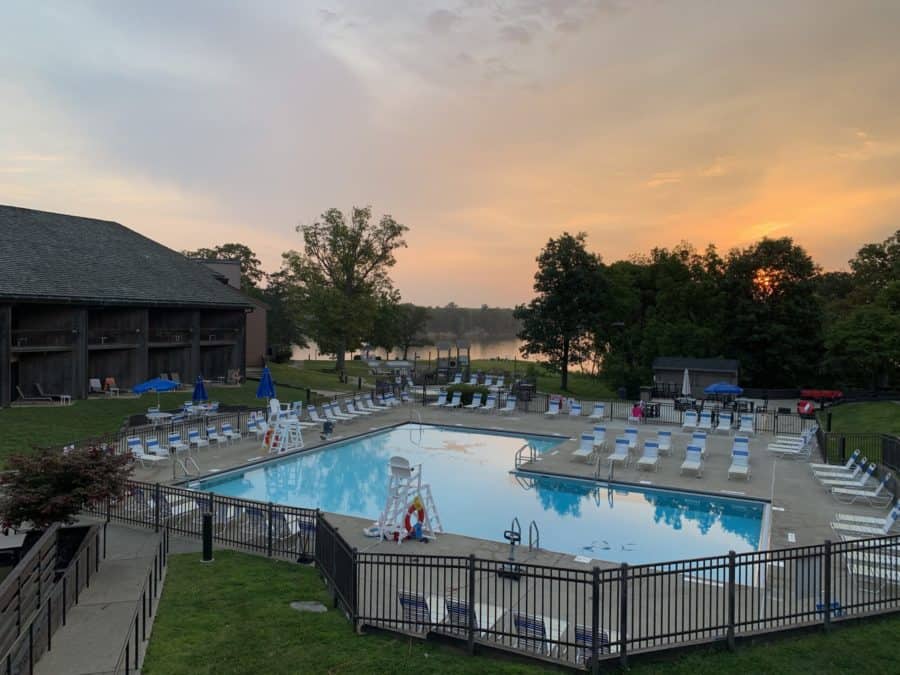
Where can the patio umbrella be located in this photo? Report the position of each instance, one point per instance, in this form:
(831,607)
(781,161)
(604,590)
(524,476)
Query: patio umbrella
(686,384)
(266,388)
(724,388)
(200,390)
(157,384)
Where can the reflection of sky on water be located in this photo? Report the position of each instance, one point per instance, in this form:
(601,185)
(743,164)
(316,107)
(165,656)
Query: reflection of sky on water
(477,496)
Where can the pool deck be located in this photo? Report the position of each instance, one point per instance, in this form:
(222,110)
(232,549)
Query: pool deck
(801,513)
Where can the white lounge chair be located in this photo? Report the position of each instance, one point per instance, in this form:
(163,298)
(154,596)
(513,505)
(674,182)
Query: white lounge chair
(353,409)
(690,420)
(490,404)
(230,433)
(176,444)
(441,401)
(880,495)
(331,416)
(882,575)
(455,400)
(366,403)
(650,458)
(599,411)
(693,461)
(421,614)
(552,409)
(153,448)
(473,380)
(854,483)
(705,420)
(575,409)
(725,421)
(538,634)
(664,440)
(314,414)
(213,436)
(584,643)
(457,379)
(140,455)
(621,453)
(196,440)
(833,467)
(599,437)
(698,439)
(585,449)
(482,616)
(874,526)
(740,463)
(632,435)
(746,426)
(843,474)
(862,520)
(488,381)
(509,406)
(340,414)
(476,401)
(347,409)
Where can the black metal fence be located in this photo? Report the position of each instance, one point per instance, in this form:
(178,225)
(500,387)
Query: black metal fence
(35,604)
(883,449)
(130,656)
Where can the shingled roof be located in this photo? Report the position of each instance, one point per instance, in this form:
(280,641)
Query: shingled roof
(709,365)
(47,257)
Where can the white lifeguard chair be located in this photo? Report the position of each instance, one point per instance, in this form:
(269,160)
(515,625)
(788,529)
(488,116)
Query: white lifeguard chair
(409,503)
(283,435)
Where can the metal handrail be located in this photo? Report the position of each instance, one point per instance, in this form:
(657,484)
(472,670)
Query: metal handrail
(534,536)
(519,457)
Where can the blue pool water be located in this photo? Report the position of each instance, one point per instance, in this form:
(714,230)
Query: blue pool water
(477,495)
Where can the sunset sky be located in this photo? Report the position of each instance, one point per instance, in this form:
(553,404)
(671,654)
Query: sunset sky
(486,127)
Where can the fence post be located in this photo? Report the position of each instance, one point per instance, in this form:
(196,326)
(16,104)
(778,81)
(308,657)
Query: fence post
(842,447)
(731,599)
(108,498)
(354,589)
(470,618)
(156,508)
(269,533)
(775,422)
(828,422)
(623,615)
(595,621)
(826,591)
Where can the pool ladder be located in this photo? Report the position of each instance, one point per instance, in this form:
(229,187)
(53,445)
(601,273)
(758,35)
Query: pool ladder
(525,455)
(534,537)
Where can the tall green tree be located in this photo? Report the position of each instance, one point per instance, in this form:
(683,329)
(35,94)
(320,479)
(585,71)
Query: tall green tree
(569,288)
(411,323)
(344,271)
(252,275)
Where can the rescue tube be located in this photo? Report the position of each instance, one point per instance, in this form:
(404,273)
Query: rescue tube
(419,509)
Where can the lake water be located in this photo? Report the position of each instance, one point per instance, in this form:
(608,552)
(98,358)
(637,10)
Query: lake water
(481,349)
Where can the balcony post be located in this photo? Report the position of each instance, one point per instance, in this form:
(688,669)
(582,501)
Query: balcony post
(5,355)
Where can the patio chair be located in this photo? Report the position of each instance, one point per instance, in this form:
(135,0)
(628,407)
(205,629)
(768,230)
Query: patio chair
(366,403)
(223,512)
(441,401)
(693,461)
(140,455)
(552,409)
(880,495)
(473,380)
(405,397)
(488,381)
(584,643)
(854,483)
(177,445)
(455,400)
(212,436)
(353,409)
(314,414)
(650,458)
(483,617)
(843,474)
(876,527)
(457,379)
(153,448)
(632,435)
(500,383)
(705,422)
(863,520)
(599,437)
(725,421)
(24,397)
(575,409)
(664,440)
(328,411)
(94,386)
(175,508)
(195,439)
(585,449)
(420,614)
(490,404)
(690,420)
(621,453)
(538,634)
(230,433)
(834,467)
(509,406)
(740,463)
(599,411)
(476,401)
(43,394)
(746,426)
(336,406)
(698,439)
(881,575)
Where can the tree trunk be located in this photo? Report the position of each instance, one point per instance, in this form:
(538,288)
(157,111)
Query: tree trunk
(340,357)
(564,384)
(405,351)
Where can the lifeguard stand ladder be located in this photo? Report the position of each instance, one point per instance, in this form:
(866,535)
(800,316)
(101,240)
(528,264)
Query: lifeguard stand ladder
(408,496)
(283,435)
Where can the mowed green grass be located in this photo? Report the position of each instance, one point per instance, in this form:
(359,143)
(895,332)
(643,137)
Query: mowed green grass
(319,375)
(28,426)
(581,385)
(883,416)
(233,616)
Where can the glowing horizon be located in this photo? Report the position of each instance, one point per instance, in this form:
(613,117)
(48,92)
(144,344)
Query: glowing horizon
(487,128)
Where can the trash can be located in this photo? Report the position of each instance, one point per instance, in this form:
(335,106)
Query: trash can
(646,394)
(525,392)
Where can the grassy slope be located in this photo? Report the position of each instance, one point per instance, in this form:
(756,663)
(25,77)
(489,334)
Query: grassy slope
(883,416)
(318,375)
(580,385)
(233,617)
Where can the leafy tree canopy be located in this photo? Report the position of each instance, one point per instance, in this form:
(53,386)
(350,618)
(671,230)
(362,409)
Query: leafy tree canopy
(252,274)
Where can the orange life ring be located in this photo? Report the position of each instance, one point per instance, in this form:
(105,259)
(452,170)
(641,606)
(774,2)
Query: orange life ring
(419,509)
(268,438)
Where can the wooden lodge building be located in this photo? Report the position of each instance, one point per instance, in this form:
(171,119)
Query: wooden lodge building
(84,299)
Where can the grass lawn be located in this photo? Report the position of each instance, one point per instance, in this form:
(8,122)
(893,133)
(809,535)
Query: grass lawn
(27,426)
(319,375)
(233,617)
(580,384)
(883,416)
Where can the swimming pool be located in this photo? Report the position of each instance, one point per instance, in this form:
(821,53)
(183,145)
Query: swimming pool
(477,495)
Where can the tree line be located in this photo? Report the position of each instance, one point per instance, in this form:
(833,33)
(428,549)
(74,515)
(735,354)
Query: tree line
(769,305)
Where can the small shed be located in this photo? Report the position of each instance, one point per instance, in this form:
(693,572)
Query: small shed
(668,373)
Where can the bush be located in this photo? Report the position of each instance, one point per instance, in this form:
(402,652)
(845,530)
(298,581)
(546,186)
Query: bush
(467,391)
(53,487)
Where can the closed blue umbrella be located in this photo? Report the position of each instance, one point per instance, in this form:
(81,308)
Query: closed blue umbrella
(200,390)
(724,388)
(266,388)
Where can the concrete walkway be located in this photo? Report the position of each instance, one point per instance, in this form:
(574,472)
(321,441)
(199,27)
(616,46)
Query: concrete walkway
(97,627)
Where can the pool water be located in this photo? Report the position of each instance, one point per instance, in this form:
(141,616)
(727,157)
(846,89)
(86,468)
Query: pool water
(477,495)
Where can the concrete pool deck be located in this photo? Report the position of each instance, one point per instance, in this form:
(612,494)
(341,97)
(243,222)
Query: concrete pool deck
(801,514)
